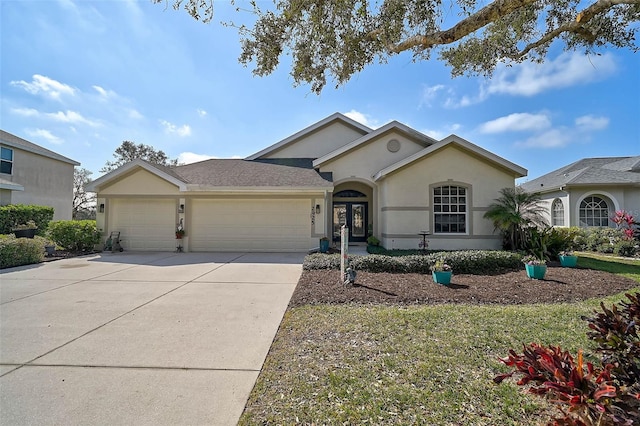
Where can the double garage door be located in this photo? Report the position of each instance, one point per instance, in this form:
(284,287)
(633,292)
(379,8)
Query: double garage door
(250,225)
(214,225)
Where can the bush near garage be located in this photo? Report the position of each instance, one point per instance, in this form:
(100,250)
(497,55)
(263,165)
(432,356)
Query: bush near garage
(74,235)
(604,240)
(18,214)
(477,262)
(20,251)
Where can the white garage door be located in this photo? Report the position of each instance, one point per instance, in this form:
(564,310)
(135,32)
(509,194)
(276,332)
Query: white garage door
(250,225)
(144,224)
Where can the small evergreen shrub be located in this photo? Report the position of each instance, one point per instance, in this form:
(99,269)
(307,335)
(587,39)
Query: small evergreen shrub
(20,251)
(625,248)
(74,235)
(18,214)
(478,262)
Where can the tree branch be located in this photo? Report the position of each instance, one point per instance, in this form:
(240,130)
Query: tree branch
(576,26)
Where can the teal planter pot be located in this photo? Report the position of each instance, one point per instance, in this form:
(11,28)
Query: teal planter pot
(324,246)
(536,271)
(569,261)
(442,277)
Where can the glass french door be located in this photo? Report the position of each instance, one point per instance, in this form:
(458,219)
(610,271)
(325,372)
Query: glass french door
(354,215)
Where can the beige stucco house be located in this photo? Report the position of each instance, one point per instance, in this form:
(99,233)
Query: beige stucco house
(589,191)
(392,181)
(31,174)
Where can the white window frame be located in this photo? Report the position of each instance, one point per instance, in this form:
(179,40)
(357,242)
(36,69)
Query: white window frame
(587,202)
(438,203)
(557,212)
(10,161)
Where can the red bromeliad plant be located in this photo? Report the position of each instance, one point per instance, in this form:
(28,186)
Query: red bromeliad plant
(625,222)
(588,395)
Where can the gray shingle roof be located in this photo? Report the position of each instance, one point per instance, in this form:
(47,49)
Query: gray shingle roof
(14,141)
(252,173)
(590,171)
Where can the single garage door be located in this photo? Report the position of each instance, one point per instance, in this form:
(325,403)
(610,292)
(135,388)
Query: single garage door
(144,224)
(250,225)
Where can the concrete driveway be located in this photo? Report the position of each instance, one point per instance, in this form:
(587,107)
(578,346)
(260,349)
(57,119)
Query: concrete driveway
(139,338)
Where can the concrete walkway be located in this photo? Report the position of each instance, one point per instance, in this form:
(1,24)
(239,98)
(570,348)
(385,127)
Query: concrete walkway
(144,339)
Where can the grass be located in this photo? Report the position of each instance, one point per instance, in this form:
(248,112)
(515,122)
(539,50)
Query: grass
(351,364)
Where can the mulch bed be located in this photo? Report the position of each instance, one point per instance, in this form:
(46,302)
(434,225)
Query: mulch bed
(514,288)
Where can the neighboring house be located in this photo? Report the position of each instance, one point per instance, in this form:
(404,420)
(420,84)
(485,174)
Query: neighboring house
(31,174)
(588,192)
(393,182)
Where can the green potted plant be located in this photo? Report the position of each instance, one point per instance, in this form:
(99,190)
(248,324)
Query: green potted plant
(179,232)
(25,230)
(324,245)
(536,268)
(373,241)
(441,272)
(568,259)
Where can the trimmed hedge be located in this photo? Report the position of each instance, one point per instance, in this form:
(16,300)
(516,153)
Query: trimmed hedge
(20,251)
(74,235)
(18,214)
(478,262)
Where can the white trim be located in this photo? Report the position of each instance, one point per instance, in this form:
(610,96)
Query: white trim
(5,184)
(452,139)
(195,189)
(334,117)
(394,125)
(95,185)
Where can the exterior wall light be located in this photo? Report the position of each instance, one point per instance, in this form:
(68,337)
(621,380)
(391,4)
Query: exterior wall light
(181,208)
(101,208)
(317,208)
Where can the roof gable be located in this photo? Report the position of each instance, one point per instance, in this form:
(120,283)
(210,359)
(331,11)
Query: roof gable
(351,130)
(410,133)
(14,141)
(113,176)
(454,140)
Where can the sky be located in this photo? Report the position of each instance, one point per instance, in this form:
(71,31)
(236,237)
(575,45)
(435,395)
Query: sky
(79,77)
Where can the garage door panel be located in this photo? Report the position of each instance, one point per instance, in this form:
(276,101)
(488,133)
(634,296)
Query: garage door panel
(253,225)
(144,224)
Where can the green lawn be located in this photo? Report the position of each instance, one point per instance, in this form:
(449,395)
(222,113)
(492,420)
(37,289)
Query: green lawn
(431,365)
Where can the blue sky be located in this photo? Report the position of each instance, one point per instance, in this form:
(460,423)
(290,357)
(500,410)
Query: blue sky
(80,77)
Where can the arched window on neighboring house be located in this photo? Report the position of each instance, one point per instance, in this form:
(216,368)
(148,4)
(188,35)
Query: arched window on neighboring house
(557,212)
(594,211)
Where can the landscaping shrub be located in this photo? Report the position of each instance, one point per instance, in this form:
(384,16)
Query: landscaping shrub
(586,395)
(20,251)
(18,214)
(625,248)
(479,262)
(74,235)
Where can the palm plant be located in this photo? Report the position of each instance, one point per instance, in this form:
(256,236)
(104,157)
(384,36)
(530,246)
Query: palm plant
(513,213)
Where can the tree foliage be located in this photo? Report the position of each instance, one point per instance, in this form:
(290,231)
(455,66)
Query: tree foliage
(339,38)
(83,202)
(129,151)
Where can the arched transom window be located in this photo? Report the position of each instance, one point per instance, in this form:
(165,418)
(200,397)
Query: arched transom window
(594,211)
(450,209)
(557,213)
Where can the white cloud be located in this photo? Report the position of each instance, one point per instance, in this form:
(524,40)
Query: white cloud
(71,117)
(435,134)
(26,112)
(568,69)
(44,134)
(589,122)
(362,118)
(517,122)
(172,129)
(46,86)
(104,93)
(553,138)
(201,112)
(430,93)
(135,114)
(191,157)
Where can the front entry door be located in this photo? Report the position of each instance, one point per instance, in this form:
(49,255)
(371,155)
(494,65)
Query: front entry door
(354,215)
